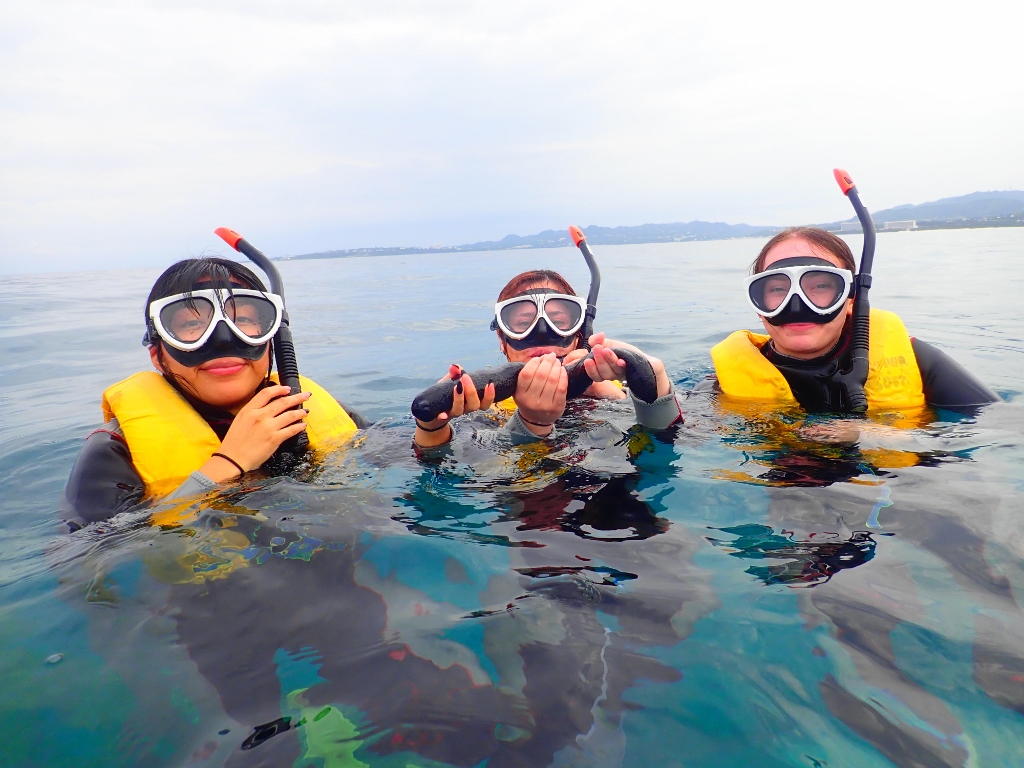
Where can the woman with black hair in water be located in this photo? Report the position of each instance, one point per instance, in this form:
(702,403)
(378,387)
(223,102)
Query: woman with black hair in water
(211,410)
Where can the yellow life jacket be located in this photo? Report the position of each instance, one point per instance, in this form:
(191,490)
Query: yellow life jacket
(169,440)
(894,380)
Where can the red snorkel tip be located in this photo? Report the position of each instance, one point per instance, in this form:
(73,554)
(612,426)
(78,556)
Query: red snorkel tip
(844,180)
(577,235)
(229,236)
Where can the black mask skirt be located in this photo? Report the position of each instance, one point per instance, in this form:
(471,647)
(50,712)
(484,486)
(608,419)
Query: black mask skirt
(540,336)
(798,311)
(222,343)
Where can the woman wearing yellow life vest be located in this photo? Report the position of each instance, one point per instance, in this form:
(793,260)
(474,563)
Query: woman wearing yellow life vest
(211,410)
(540,321)
(801,287)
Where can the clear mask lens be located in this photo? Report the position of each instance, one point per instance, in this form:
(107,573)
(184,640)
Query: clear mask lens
(254,316)
(188,319)
(770,291)
(823,289)
(519,316)
(563,315)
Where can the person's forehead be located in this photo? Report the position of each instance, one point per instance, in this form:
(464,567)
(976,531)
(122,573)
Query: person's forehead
(544,286)
(798,246)
(208,280)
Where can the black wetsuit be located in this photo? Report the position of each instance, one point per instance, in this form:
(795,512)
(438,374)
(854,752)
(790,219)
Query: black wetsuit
(947,384)
(104,481)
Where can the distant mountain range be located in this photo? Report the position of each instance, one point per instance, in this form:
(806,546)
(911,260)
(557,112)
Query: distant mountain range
(978,209)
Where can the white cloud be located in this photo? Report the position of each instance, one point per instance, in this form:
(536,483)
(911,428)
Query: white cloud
(129,130)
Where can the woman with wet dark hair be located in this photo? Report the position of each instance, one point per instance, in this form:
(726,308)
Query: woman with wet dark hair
(539,321)
(802,288)
(211,411)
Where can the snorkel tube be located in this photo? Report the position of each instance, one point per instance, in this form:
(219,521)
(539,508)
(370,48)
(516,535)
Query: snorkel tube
(580,240)
(284,348)
(857,375)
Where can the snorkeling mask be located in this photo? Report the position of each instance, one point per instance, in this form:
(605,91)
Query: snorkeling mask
(210,323)
(539,318)
(801,289)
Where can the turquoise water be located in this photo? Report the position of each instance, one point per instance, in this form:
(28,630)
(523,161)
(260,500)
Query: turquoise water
(732,593)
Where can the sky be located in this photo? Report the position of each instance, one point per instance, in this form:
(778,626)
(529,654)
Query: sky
(130,130)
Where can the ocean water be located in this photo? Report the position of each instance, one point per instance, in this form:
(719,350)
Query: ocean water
(747,589)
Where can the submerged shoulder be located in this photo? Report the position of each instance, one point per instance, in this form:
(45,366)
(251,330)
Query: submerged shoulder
(103,480)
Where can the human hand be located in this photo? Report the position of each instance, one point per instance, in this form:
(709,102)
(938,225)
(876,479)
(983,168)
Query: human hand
(540,393)
(576,354)
(607,366)
(259,428)
(838,431)
(465,399)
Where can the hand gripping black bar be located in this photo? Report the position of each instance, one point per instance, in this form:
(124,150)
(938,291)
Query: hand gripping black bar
(435,400)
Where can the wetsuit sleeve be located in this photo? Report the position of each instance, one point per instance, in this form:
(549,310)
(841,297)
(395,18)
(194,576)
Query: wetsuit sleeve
(103,481)
(360,421)
(520,434)
(708,384)
(195,484)
(947,384)
(661,414)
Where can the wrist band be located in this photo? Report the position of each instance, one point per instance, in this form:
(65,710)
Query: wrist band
(534,423)
(230,461)
(432,429)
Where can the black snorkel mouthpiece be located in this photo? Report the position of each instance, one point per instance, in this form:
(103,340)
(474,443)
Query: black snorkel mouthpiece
(284,348)
(580,240)
(856,376)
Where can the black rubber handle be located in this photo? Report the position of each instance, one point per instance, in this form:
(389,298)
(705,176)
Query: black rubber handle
(640,376)
(438,399)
